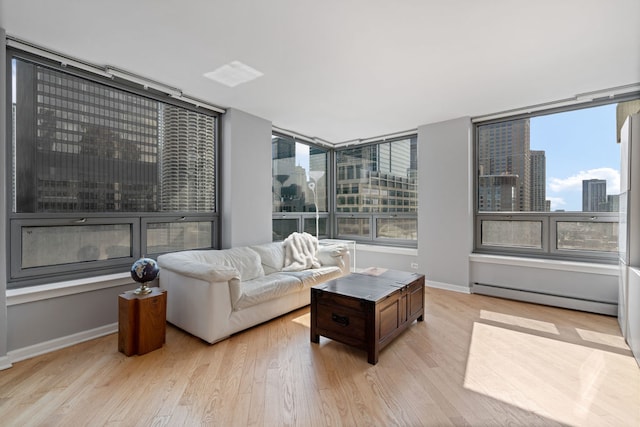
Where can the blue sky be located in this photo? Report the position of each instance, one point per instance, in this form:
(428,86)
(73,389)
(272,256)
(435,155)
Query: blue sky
(579,144)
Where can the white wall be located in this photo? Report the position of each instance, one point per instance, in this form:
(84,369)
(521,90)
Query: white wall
(387,257)
(246,179)
(445,214)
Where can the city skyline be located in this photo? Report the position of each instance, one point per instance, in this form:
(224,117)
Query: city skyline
(541,163)
(580,145)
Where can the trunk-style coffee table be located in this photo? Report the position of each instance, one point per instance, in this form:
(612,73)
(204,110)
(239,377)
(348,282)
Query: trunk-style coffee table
(367,310)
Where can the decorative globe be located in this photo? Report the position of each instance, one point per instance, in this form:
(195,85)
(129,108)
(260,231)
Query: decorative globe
(144,270)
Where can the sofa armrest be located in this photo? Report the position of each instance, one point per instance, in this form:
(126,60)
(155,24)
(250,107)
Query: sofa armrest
(337,255)
(198,306)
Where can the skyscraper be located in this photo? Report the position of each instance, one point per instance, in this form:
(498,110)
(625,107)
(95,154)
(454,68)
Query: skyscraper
(504,150)
(87,158)
(497,192)
(187,176)
(538,181)
(594,195)
(377,178)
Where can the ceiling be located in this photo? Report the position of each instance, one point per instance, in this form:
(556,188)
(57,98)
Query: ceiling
(342,70)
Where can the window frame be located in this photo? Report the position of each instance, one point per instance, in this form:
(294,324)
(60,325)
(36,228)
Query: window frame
(300,217)
(18,277)
(19,274)
(549,220)
(372,217)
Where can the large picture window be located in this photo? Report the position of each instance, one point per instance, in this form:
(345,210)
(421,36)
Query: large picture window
(548,184)
(102,174)
(377,192)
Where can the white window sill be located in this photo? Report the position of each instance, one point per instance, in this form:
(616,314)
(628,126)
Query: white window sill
(549,264)
(70,287)
(387,249)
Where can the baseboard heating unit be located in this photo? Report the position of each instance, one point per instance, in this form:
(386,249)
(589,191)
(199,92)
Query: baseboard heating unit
(599,307)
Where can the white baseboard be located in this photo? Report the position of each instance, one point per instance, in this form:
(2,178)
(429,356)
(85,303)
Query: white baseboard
(448,286)
(5,363)
(58,343)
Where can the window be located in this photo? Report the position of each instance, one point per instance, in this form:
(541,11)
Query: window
(548,185)
(102,173)
(299,187)
(377,189)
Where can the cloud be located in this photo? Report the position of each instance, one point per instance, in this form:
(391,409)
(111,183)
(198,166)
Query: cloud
(574,183)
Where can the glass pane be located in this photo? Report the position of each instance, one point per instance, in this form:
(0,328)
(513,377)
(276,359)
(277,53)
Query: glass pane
(587,236)
(353,227)
(82,146)
(378,177)
(310,226)
(504,166)
(521,234)
(397,228)
(299,176)
(43,246)
(567,161)
(283,227)
(177,236)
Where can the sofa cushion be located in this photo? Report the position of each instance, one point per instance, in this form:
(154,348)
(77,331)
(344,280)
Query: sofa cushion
(204,262)
(316,275)
(252,292)
(271,256)
(245,260)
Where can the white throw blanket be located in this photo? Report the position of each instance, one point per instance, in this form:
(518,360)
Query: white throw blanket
(300,252)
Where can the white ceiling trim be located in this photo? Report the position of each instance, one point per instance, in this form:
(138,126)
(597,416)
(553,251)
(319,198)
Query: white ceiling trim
(582,98)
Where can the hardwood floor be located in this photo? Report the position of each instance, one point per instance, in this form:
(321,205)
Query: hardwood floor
(475,360)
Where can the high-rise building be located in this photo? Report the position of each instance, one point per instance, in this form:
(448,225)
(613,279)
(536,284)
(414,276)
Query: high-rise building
(283,154)
(538,181)
(317,169)
(613,202)
(594,195)
(504,150)
(87,158)
(377,178)
(497,193)
(187,178)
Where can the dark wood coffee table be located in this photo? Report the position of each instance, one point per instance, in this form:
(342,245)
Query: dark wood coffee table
(367,310)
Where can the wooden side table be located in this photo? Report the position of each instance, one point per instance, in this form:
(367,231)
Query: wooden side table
(142,321)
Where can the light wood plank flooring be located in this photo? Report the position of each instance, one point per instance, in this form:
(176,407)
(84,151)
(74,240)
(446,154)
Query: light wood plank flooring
(476,360)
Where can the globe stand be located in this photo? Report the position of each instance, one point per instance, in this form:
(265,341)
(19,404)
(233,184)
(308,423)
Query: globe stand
(143,289)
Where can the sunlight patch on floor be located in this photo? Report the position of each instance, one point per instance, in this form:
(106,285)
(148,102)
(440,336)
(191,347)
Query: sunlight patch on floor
(304,320)
(600,338)
(523,322)
(565,382)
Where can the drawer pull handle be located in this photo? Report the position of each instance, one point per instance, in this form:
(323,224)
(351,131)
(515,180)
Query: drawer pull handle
(340,320)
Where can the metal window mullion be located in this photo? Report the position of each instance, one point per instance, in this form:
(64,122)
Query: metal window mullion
(548,234)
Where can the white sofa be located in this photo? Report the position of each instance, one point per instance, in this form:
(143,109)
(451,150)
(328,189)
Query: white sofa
(215,293)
